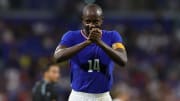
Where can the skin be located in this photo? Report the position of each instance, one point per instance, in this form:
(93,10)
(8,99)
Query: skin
(91,21)
(52,75)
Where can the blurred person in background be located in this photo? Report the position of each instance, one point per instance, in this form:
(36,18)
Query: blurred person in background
(45,90)
(92,53)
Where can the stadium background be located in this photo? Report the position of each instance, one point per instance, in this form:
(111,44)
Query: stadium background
(30,30)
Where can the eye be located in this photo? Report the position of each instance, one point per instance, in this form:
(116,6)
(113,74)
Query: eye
(96,21)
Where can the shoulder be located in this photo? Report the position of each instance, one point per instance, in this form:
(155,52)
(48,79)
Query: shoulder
(70,32)
(111,33)
(38,83)
(37,86)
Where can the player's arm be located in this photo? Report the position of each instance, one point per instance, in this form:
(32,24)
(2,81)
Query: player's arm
(63,52)
(67,48)
(118,54)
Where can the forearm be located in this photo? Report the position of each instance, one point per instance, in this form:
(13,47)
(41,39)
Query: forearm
(66,53)
(117,56)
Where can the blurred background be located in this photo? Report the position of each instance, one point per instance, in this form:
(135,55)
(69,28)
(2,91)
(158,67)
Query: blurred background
(30,30)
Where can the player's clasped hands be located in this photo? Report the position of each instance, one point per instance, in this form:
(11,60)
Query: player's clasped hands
(95,35)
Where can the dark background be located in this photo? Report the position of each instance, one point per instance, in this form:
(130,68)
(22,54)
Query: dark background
(30,30)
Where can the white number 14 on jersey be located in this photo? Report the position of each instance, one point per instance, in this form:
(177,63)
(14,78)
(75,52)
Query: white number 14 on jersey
(94,65)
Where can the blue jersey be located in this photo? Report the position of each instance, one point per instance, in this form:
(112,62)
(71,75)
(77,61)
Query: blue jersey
(91,68)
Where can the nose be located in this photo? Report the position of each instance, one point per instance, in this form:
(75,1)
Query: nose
(91,25)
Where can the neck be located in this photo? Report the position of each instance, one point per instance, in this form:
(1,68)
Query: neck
(85,32)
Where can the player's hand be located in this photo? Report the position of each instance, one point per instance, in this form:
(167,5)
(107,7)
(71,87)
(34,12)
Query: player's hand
(95,35)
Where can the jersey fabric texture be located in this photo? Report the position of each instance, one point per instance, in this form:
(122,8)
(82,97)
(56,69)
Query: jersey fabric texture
(91,68)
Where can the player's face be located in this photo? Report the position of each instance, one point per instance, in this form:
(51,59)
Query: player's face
(54,73)
(91,21)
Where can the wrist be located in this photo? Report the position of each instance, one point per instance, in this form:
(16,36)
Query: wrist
(99,42)
(88,42)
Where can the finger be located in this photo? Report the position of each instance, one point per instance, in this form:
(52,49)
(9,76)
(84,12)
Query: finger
(94,38)
(95,35)
(95,29)
(97,32)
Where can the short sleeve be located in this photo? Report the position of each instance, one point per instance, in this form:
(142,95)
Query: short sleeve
(116,37)
(67,39)
(117,42)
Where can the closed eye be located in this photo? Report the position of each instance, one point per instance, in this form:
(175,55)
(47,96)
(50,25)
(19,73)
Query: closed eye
(96,21)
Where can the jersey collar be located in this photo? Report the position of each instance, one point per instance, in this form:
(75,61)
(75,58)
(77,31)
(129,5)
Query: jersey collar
(83,34)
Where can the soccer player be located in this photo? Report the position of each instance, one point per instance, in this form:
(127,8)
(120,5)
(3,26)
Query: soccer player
(45,90)
(92,52)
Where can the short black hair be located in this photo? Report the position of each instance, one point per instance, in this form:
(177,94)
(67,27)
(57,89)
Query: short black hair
(48,66)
